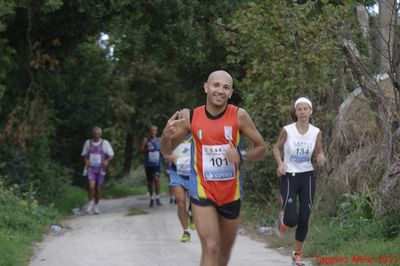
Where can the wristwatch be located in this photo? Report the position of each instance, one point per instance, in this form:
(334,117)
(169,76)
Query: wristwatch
(243,155)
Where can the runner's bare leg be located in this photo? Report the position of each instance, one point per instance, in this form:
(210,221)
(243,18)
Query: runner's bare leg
(180,195)
(227,231)
(207,226)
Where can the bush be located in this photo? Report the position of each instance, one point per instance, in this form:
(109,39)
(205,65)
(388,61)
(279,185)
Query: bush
(22,222)
(72,197)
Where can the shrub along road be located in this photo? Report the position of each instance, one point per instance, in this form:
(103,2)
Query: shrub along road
(116,238)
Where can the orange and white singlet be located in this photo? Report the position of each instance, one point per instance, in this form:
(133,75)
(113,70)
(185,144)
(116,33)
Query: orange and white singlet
(213,177)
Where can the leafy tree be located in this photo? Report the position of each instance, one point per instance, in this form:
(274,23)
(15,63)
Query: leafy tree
(163,52)
(52,75)
(282,51)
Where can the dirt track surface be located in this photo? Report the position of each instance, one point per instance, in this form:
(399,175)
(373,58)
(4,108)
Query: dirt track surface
(115,239)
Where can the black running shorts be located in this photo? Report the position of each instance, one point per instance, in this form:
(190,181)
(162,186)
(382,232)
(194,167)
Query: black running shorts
(229,211)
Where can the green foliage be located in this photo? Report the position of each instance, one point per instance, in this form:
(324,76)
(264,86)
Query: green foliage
(131,185)
(134,212)
(257,215)
(163,52)
(115,191)
(51,5)
(17,168)
(52,58)
(259,185)
(6,63)
(80,99)
(22,222)
(355,206)
(72,197)
(287,51)
(351,238)
(281,50)
(7,10)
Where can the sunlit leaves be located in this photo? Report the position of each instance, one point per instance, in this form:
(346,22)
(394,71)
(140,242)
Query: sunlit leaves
(286,50)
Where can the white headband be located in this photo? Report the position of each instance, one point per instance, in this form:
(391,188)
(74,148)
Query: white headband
(302,100)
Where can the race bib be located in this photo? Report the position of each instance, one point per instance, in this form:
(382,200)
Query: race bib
(183,166)
(154,157)
(95,159)
(216,166)
(301,152)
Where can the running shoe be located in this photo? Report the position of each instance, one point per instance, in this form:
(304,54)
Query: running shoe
(186,236)
(89,209)
(151,203)
(158,202)
(297,260)
(191,223)
(281,229)
(96,209)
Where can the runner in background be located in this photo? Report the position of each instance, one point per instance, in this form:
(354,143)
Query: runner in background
(179,181)
(172,199)
(97,154)
(299,140)
(152,161)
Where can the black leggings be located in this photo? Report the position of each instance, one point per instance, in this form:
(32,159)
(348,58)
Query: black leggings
(303,185)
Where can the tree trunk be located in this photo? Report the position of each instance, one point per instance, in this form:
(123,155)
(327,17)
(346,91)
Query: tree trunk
(128,153)
(379,101)
(363,21)
(389,189)
(386,33)
(389,186)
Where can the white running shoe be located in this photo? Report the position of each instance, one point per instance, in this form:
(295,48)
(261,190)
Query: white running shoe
(297,259)
(96,209)
(89,209)
(280,228)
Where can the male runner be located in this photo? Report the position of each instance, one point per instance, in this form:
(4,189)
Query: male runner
(214,182)
(97,154)
(151,148)
(179,181)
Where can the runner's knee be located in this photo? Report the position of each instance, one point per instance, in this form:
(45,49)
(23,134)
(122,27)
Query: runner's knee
(181,203)
(211,247)
(290,220)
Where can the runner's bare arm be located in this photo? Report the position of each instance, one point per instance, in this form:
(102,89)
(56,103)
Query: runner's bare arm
(86,160)
(107,161)
(277,152)
(86,155)
(249,130)
(143,147)
(175,131)
(170,158)
(319,151)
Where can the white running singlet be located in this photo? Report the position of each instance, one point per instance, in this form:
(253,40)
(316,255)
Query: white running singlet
(298,149)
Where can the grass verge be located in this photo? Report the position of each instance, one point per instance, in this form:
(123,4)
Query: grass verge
(353,239)
(23,222)
(131,185)
(133,212)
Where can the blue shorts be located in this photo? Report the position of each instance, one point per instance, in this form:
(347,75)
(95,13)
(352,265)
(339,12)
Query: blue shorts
(178,180)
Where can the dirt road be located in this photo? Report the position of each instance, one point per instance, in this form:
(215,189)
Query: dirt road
(113,238)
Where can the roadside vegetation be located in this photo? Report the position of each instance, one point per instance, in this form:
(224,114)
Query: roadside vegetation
(23,222)
(353,232)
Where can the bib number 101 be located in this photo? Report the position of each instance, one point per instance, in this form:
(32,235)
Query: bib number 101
(218,162)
